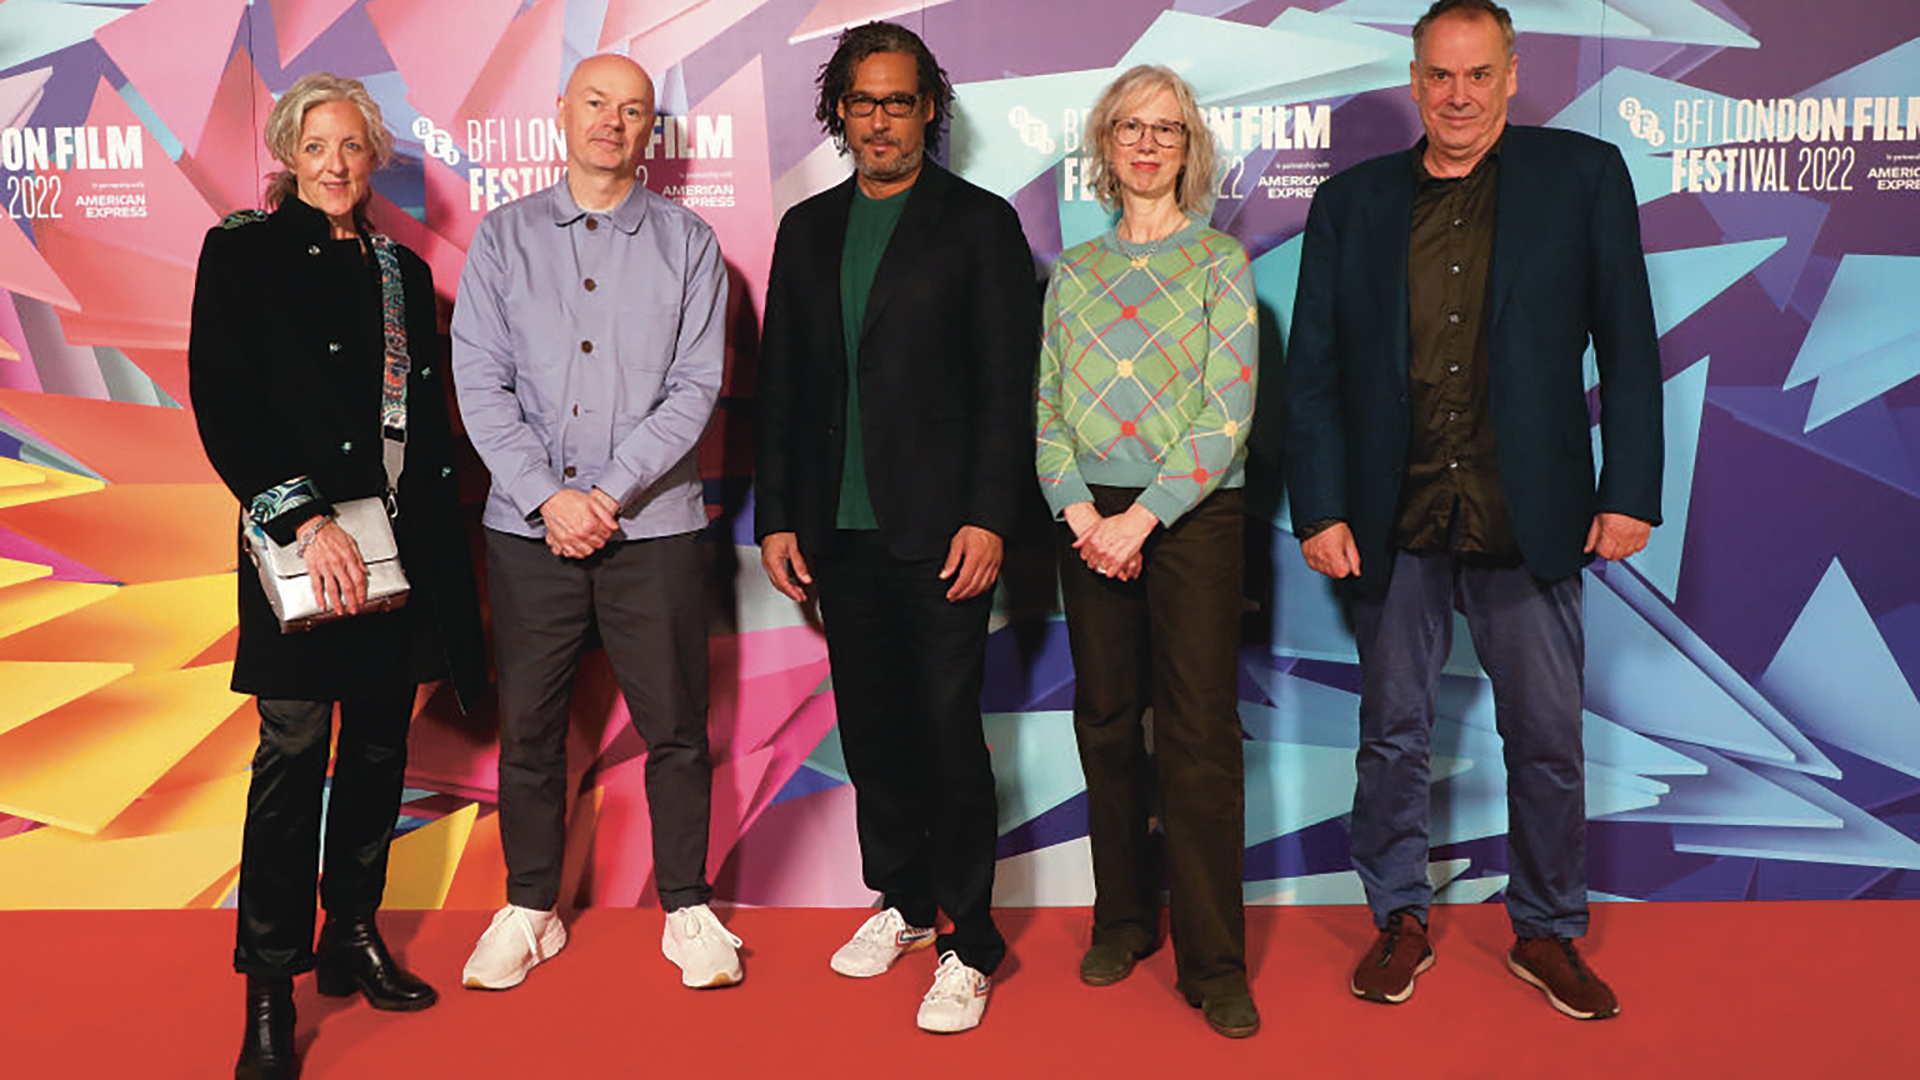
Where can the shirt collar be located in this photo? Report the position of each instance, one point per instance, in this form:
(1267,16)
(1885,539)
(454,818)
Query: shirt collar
(1417,160)
(626,217)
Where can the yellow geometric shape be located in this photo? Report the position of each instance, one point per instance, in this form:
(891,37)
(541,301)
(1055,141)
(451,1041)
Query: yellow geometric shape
(227,751)
(155,627)
(34,688)
(216,804)
(35,602)
(15,572)
(420,864)
(21,483)
(79,766)
(8,352)
(54,868)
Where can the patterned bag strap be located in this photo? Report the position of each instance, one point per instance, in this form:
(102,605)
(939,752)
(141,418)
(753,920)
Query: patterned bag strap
(393,387)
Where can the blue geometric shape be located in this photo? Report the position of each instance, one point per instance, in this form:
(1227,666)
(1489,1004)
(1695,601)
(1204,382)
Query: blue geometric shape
(1800,217)
(1276,278)
(1233,62)
(1389,70)
(828,758)
(1634,592)
(1730,795)
(1004,131)
(1577,18)
(1081,218)
(1472,803)
(1861,840)
(806,781)
(1836,677)
(1868,440)
(1888,75)
(1637,678)
(1029,667)
(1684,281)
(1303,713)
(1865,337)
(1291,786)
(156,127)
(1630,109)
(1603,741)
(1682,403)
(1307,617)
(34,28)
(1683,22)
(1036,763)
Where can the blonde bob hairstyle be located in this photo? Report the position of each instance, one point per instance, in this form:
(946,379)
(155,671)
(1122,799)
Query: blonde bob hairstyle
(1194,189)
(282,133)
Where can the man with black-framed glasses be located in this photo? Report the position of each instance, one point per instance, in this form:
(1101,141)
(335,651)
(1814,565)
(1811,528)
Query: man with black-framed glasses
(893,450)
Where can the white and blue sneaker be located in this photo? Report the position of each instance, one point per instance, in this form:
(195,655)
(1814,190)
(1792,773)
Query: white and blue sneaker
(958,997)
(880,941)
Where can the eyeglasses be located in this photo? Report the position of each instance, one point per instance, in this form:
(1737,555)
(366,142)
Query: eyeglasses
(1166,133)
(896,105)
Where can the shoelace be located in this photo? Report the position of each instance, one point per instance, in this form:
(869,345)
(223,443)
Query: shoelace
(525,922)
(1393,939)
(694,924)
(1573,958)
(879,930)
(952,982)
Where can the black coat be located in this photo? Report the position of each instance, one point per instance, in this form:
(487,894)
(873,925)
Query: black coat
(286,360)
(1567,269)
(946,371)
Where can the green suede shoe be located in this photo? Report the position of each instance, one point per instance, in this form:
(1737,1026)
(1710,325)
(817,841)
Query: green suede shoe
(1106,964)
(1231,1014)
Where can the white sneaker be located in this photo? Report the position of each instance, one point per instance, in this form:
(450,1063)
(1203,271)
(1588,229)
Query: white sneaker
(880,941)
(694,939)
(516,940)
(958,997)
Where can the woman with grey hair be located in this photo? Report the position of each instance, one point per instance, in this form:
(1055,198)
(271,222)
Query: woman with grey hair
(314,354)
(1145,395)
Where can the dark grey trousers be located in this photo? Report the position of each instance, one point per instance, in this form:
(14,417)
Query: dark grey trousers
(647,598)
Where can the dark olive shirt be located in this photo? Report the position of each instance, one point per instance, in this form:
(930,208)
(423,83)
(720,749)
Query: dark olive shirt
(870,225)
(1451,497)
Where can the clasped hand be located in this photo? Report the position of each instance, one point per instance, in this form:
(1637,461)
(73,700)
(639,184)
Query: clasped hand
(579,523)
(1111,546)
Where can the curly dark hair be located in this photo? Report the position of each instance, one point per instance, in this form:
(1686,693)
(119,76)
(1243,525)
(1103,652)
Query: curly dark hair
(856,44)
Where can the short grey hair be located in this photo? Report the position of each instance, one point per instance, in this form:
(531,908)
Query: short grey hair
(1469,8)
(1194,189)
(282,132)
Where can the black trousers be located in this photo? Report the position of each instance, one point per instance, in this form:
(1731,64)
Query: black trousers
(280,846)
(1169,639)
(648,599)
(907,670)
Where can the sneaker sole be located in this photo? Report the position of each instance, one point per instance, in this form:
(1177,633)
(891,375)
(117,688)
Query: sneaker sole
(913,948)
(719,980)
(1535,981)
(1394,999)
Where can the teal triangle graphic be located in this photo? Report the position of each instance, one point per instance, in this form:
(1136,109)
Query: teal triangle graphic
(1682,405)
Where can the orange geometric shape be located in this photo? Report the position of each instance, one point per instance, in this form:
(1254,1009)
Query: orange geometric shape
(166,367)
(421,864)
(206,805)
(480,880)
(296,23)
(440,57)
(156,627)
(126,298)
(226,752)
(36,687)
(184,530)
(124,443)
(15,572)
(173,51)
(522,75)
(81,765)
(23,270)
(671,40)
(22,483)
(37,602)
(54,868)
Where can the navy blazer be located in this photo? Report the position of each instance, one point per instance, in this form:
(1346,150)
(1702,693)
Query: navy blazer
(946,364)
(1567,266)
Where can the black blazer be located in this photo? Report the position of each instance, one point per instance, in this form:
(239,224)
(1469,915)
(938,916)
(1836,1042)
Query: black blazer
(1567,266)
(946,371)
(286,357)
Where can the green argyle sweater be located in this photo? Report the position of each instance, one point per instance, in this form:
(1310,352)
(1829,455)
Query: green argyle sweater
(1147,370)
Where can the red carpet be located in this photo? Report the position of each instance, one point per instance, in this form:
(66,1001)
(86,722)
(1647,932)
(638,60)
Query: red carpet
(1707,990)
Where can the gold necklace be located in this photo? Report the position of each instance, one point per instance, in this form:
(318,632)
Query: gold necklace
(1139,260)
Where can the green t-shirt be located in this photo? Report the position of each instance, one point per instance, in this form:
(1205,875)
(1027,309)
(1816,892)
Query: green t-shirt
(869,226)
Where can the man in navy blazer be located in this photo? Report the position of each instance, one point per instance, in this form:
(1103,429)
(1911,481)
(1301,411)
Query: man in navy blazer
(894,448)
(1438,452)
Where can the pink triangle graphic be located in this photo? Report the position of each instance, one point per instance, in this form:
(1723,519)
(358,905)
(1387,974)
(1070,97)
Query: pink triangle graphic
(22,270)
(174,52)
(440,54)
(296,23)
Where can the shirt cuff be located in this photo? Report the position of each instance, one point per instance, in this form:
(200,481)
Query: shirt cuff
(1068,490)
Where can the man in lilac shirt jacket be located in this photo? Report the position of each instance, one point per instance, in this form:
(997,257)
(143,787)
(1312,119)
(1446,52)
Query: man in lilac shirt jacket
(588,345)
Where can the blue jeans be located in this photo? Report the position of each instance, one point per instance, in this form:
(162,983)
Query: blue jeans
(1531,642)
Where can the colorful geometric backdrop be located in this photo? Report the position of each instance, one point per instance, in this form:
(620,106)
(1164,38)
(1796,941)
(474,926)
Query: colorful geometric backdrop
(1753,728)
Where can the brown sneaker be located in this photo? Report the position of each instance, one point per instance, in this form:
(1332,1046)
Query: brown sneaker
(1554,965)
(1400,952)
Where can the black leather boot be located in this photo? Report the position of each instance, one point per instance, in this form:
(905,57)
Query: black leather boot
(352,957)
(266,1051)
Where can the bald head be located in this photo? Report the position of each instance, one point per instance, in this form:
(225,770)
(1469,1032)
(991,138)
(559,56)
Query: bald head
(606,114)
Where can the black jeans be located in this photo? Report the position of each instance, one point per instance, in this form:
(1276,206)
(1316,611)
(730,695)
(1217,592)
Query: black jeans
(648,599)
(280,848)
(1169,639)
(907,670)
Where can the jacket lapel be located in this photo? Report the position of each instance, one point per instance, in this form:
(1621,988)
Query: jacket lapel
(926,201)
(1392,230)
(1517,219)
